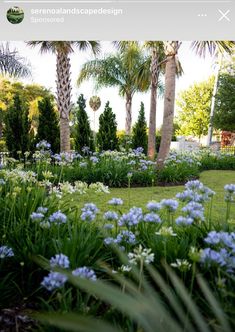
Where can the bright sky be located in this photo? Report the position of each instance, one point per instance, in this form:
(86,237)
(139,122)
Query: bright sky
(44,73)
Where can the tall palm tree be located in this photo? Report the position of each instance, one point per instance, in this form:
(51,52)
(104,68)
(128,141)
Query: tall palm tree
(12,64)
(157,59)
(171,51)
(119,70)
(62,50)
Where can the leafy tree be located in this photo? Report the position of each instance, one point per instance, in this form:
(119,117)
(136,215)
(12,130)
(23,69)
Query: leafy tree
(171,51)
(62,50)
(48,128)
(194,109)
(107,134)
(224,117)
(31,94)
(17,127)
(83,133)
(139,132)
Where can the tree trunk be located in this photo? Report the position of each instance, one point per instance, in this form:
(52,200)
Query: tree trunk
(64,98)
(128,114)
(171,49)
(153,106)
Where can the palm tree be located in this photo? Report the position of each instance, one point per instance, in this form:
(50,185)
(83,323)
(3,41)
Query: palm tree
(119,70)
(157,59)
(62,50)
(12,64)
(171,51)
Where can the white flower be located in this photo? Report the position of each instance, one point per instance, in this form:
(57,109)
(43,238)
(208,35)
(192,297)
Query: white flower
(141,254)
(166,231)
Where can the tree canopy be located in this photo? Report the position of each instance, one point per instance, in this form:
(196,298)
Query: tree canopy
(194,106)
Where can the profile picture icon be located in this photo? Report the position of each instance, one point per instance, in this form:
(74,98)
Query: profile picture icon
(15,15)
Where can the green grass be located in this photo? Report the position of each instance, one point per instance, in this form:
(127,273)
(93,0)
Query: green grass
(216,180)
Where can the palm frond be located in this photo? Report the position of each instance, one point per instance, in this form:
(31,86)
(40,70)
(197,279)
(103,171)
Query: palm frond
(12,64)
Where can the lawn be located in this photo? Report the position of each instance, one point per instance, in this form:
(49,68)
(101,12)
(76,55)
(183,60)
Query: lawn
(215,180)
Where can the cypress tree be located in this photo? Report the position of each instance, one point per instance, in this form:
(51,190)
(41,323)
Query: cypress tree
(83,133)
(139,132)
(107,134)
(17,127)
(48,126)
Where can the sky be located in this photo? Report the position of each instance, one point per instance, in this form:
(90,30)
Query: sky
(44,72)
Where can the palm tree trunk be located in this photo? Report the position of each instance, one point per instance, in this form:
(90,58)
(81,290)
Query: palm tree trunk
(153,106)
(169,102)
(64,98)
(128,114)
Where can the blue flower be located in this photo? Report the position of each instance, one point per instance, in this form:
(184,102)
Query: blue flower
(2,182)
(170,204)
(194,185)
(184,221)
(6,252)
(153,206)
(152,217)
(85,272)
(110,215)
(41,209)
(60,260)
(43,145)
(194,210)
(109,240)
(210,256)
(90,207)
(230,188)
(36,216)
(126,237)
(58,218)
(94,160)
(54,280)
(88,216)
(116,201)
(131,218)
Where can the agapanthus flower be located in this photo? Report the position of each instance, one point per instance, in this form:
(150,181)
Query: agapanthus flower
(194,210)
(94,159)
(116,201)
(90,207)
(166,231)
(85,272)
(210,256)
(126,237)
(182,264)
(152,217)
(170,204)
(111,215)
(88,216)
(58,218)
(185,221)
(60,260)
(6,252)
(194,185)
(141,254)
(54,280)
(35,216)
(132,218)
(42,210)
(153,206)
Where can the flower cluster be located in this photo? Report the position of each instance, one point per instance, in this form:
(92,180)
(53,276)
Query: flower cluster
(56,280)
(222,252)
(230,192)
(124,237)
(139,255)
(6,252)
(89,212)
(132,218)
(195,192)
